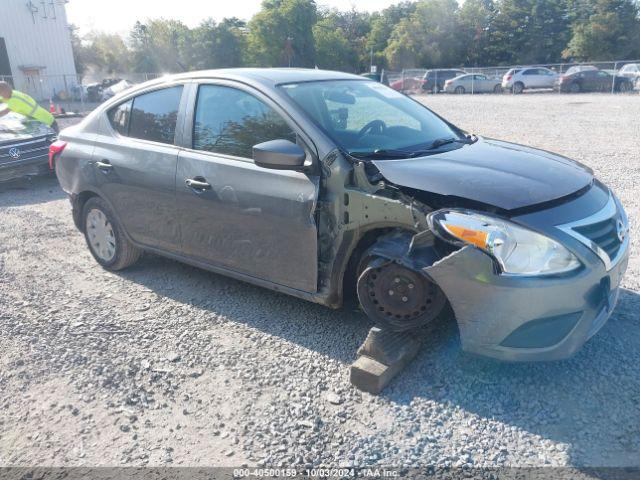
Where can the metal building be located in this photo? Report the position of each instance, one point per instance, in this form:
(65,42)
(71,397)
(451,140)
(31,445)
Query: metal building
(35,47)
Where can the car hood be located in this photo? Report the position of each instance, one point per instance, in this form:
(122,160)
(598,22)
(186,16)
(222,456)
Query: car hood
(14,127)
(492,172)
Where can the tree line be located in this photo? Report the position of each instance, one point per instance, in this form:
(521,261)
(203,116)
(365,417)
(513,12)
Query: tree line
(410,34)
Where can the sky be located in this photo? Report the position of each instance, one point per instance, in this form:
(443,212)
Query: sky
(118,16)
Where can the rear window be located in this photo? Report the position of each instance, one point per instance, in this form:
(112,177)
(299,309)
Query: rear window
(119,117)
(154,115)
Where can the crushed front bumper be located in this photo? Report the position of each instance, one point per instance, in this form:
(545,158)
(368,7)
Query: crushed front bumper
(525,319)
(520,318)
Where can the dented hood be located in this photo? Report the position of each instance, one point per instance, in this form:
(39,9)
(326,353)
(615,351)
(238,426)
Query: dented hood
(505,175)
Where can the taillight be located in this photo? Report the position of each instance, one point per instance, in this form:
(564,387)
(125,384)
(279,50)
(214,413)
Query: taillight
(55,148)
(448,82)
(509,77)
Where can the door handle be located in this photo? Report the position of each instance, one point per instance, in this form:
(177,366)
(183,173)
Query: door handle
(198,184)
(104,165)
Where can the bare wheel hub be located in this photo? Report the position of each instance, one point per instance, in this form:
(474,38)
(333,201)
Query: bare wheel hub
(398,297)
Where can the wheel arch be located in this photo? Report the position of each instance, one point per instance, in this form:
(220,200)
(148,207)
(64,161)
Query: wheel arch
(80,199)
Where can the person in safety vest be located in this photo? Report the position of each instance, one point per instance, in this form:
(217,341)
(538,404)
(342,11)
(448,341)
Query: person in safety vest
(23,104)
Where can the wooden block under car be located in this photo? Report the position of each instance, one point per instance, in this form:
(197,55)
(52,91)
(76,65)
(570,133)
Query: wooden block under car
(381,357)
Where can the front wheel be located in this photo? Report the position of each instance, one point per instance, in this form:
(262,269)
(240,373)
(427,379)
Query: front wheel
(497,89)
(624,87)
(574,88)
(105,237)
(395,297)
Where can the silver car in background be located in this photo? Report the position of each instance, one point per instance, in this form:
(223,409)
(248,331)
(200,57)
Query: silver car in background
(472,83)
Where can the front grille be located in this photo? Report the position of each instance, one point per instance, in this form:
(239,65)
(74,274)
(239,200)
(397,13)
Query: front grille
(26,149)
(604,234)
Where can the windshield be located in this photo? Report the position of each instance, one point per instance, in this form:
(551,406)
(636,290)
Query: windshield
(363,116)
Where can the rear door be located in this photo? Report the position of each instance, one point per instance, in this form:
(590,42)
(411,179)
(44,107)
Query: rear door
(242,217)
(531,78)
(135,161)
(547,78)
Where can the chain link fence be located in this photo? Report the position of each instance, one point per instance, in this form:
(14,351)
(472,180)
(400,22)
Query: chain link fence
(622,76)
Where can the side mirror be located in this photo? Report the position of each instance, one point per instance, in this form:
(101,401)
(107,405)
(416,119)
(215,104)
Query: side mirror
(279,155)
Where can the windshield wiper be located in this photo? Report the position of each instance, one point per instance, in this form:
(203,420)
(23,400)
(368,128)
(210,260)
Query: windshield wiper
(439,142)
(382,153)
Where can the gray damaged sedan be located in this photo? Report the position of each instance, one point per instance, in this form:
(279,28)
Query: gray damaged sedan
(320,184)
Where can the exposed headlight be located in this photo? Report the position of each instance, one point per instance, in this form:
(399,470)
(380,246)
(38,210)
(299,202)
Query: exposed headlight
(518,250)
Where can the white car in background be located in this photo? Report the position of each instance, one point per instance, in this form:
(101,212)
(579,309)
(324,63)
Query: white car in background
(632,72)
(519,79)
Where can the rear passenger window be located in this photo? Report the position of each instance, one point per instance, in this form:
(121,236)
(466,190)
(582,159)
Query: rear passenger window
(119,117)
(231,122)
(154,115)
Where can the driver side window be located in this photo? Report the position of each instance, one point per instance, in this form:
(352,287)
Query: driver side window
(230,121)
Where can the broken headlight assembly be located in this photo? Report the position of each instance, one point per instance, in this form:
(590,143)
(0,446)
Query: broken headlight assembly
(518,250)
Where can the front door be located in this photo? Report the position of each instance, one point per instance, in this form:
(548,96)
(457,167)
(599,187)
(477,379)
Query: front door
(134,162)
(234,214)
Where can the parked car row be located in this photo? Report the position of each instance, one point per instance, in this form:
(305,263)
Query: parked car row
(580,78)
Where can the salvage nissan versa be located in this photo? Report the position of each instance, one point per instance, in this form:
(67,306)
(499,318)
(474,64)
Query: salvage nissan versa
(319,183)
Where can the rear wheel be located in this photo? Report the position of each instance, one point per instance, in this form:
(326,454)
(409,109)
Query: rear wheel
(395,297)
(624,87)
(518,87)
(574,87)
(105,238)
(459,90)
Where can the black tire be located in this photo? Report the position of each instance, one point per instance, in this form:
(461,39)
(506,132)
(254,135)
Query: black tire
(575,88)
(497,89)
(624,87)
(415,300)
(125,253)
(459,90)
(518,87)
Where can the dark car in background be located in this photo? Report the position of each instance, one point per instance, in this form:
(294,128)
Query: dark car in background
(592,81)
(433,80)
(24,147)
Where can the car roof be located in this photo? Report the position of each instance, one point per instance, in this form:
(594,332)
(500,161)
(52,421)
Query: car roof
(267,76)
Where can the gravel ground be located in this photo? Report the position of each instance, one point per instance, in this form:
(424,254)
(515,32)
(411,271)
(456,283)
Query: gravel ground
(167,364)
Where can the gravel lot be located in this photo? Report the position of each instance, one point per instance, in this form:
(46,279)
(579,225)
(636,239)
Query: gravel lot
(168,364)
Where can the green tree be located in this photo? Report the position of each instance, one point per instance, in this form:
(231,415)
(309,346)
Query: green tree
(475,25)
(427,38)
(527,32)
(141,49)
(169,44)
(281,34)
(79,50)
(104,52)
(333,49)
(604,30)
(218,45)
